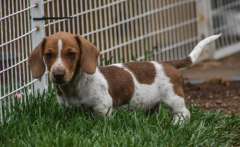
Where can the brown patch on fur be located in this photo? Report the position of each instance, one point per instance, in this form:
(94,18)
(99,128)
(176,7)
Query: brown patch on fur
(144,71)
(121,86)
(180,63)
(76,51)
(175,78)
(70,53)
(35,61)
(89,55)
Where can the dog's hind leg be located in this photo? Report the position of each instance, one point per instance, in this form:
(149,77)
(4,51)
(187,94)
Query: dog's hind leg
(178,107)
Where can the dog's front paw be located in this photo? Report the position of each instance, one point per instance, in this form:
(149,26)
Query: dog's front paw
(102,110)
(182,117)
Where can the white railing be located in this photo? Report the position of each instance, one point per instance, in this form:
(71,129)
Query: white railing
(15,45)
(123,30)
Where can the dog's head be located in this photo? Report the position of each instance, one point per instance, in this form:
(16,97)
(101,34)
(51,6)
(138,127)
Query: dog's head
(64,54)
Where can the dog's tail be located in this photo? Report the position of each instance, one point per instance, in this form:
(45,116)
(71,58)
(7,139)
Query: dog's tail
(199,53)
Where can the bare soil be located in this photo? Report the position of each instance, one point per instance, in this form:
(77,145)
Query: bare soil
(219,87)
(216,95)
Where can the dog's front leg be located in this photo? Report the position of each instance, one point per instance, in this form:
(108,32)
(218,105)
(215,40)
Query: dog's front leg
(102,110)
(62,101)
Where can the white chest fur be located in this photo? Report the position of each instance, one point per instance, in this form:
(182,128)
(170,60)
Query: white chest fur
(89,90)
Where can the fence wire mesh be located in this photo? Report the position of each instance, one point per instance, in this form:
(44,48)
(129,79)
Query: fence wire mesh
(226,19)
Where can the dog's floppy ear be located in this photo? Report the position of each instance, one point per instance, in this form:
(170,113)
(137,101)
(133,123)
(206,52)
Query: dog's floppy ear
(36,62)
(88,55)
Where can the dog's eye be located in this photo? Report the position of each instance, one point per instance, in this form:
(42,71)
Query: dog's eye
(71,55)
(48,55)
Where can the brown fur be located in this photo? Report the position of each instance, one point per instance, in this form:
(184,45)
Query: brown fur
(121,86)
(76,51)
(70,53)
(35,61)
(180,63)
(90,53)
(175,78)
(144,71)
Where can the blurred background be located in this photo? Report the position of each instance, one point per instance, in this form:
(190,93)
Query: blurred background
(126,30)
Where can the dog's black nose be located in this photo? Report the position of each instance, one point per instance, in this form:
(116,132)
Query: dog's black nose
(58,75)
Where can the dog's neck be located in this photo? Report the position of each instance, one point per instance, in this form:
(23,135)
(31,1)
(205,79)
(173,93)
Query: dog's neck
(72,88)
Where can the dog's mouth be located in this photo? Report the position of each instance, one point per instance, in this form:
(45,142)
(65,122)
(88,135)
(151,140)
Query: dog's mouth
(60,79)
(59,82)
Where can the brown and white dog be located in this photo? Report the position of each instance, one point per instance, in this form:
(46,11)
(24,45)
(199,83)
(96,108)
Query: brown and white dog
(71,62)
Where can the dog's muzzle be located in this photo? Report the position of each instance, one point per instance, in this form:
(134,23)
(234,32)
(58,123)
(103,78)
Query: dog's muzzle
(58,75)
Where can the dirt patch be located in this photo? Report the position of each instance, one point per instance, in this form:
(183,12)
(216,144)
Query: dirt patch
(219,87)
(227,68)
(216,94)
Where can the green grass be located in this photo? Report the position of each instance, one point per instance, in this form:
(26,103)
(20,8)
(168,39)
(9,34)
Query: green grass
(44,123)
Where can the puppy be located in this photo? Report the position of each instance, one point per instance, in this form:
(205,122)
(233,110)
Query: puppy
(71,62)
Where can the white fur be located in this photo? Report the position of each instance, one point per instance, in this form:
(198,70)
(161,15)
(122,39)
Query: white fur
(161,90)
(93,92)
(59,62)
(60,47)
(200,48)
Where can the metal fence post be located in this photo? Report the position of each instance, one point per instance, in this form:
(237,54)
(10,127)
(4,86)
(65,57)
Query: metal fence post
(204,17)
(37,36)
(205,24)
